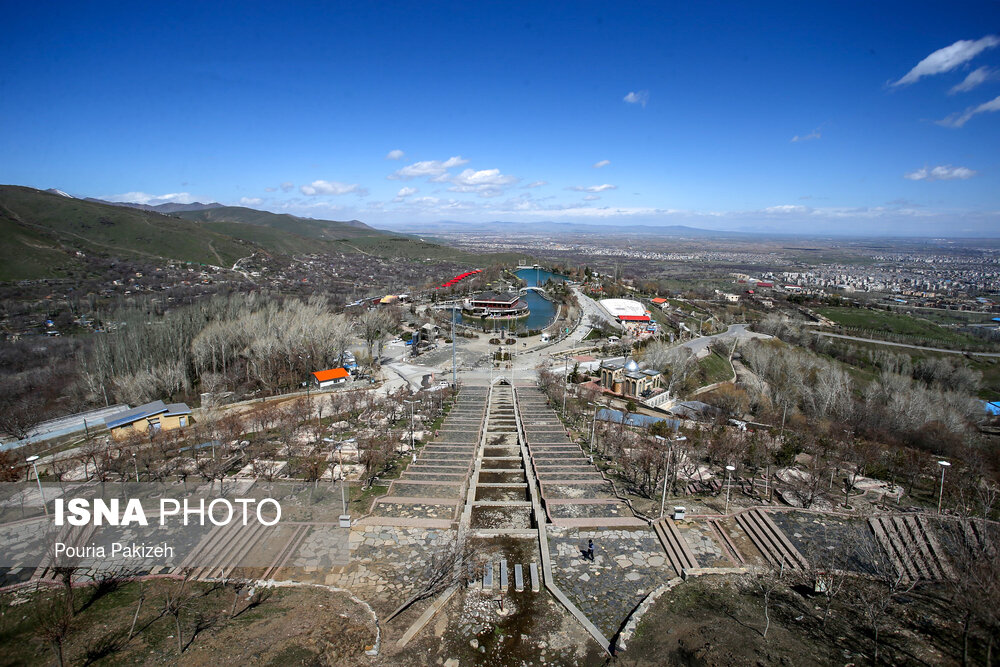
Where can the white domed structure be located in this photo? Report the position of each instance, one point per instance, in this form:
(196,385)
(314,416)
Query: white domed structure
(631,366)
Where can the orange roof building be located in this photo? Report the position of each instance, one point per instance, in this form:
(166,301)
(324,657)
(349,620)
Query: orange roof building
(658,300)
(330,377)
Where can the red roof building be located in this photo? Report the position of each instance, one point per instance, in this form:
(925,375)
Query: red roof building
(331,377)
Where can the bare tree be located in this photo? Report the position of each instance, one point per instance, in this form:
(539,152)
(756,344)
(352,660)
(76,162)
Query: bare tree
(443,569)
(872,596)
(53,622)
(175,601)
(763,584)
(975,585)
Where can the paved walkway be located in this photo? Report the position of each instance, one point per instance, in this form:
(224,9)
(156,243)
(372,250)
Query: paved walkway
(580,505)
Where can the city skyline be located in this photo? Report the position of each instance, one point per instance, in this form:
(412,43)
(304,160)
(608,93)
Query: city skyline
(797,120)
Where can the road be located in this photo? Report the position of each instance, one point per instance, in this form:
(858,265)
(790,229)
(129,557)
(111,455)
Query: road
(699,346)
(912,347)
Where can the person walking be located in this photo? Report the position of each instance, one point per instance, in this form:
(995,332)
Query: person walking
(590,550)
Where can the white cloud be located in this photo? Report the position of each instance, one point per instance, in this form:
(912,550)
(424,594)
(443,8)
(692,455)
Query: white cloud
(807,137)
(958,119)
(787,208)
(329,188)
(434,169)
(637,97)
(152,200)
(536,184)
(404,193)
(592,188)
(940,173)
(591,198)
(270,189)
(287,186)
(973,79)
(395,155)
(601,163)
(251,201)
(485,182)
(948,58)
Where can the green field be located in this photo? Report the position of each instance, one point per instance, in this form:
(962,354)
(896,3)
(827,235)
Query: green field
(898,327)
(715,368)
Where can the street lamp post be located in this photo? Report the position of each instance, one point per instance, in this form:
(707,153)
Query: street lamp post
(411,402)
(565,382)
(33,460)
(944,465)
(343,475)
(593,429)
(663,496)
(729,472)
(666,451)
(135,462)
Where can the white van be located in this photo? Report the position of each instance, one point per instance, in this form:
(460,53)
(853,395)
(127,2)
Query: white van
(546,337)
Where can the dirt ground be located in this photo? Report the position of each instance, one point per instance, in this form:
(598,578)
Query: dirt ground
(295,626)
(532,629)
(711,621)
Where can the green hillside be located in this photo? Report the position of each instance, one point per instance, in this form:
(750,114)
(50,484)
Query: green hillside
(31,253)
(47,228)
(303,227)
(43,231)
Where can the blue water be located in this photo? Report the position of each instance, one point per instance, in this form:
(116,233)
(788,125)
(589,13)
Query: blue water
(536,277)
(633,419)
(541,310)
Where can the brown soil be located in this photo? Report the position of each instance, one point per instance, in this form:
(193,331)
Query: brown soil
(295,626)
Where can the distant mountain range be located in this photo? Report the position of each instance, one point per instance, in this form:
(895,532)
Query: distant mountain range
(43,232)
(169,207)
(561,229)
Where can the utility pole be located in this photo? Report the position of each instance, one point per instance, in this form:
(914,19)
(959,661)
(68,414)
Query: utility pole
(565,382)
(454,370)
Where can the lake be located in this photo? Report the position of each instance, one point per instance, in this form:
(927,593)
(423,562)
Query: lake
(542,311)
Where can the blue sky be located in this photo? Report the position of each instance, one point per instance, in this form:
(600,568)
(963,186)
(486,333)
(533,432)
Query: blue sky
(810,117)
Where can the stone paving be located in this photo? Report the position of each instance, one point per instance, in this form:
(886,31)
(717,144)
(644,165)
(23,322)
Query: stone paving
(414,510)
(700,538)
(628,564)
(578,511)
(812,533)
(323,548)
(404,489)
(387,563)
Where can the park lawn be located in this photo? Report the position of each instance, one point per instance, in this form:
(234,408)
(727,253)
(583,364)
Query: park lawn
(877,323)
(715,368)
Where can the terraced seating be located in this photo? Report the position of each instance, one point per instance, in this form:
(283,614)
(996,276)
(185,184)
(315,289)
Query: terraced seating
(912,547)
(770,541)
(222,549)
(678,551)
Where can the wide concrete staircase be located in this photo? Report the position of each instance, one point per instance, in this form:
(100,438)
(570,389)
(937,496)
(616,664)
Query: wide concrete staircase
(431,491)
